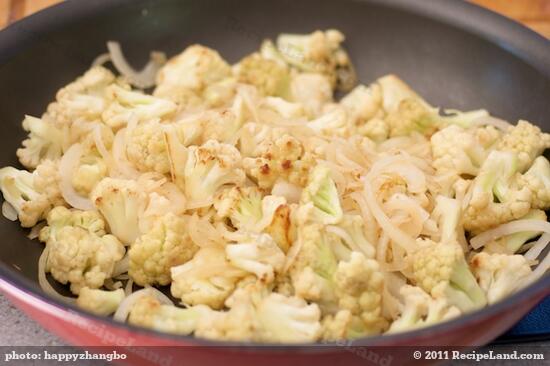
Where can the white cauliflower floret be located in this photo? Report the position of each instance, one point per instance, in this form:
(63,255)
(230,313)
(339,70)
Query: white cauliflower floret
(319,52)
(288,319)
(375,129)
(312,91)
(32,195)
(91,170)
(79,251)
(500,275)
(457,151)
(120,201)
(283,109)
(420,310)
(256,315)
(359,285)
(258,254)
(208,168)
(184,77)
(83,100)
(363,103)
(441,270)
(495,180)
(394,91)
(99,302)
(334,122)
(146,148)
(351,238)
(281,157)
(537,179)
(510,244)
(206,279)
(224,125)
(313,270)
(125,105)
(320,200)
(45,142)
(166,245)
(527,141)
(268,76)
(253,134)
(148,312)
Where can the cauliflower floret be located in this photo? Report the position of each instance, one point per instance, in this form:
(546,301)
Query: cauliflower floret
(256,315)
(288,319)
(120,201)
(537,179)
(242,205)
(510,244)
(363,103)
(375,129)
(457,151)
(420,310)
(146,147)
(281,157)
(270,77)
(99,302)
(45,142)
(527,141)
(258,254)
(394,91)
(441,270)
(500,275)
(224,125)
(91,170)
(312,91)
(359,284)
(208,168)
(166,245)
(206,279)
(313,270)
(148,312)
(125,105)
(334,122)
(253,134)
(413,115)
(495,180)
(83,100)
(319,52)
(282,108)
(32,195)
(320,200)
(79,252)
(351,238)
(184,77)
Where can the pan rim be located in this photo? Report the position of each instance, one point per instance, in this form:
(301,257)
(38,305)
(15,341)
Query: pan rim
(524,43)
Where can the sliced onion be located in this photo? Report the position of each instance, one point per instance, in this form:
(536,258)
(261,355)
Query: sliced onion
(121,266)
(537,248)
(540,271)
(507,229)
(69,162)
(395,234)
(493,121)
(43,280)
(142,79)
(119,155)
(203,233)
(287,190)
(8,211)
(126,305)
(35,231)
(102,59)
(129,287)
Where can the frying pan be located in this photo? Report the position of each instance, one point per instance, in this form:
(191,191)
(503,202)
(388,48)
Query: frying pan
(455,54)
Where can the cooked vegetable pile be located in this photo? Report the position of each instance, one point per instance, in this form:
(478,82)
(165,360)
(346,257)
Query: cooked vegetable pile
(270,211)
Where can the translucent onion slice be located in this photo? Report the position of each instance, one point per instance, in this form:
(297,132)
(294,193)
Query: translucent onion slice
(69,162)
(126,305)
(493,121)
(43,280)
(8,211)
(287,190)
(101,59)
(507,229)
(121,266)
(537,248)
(141,79)
(395,234)
(129,287)
(35,231)
(119,155)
